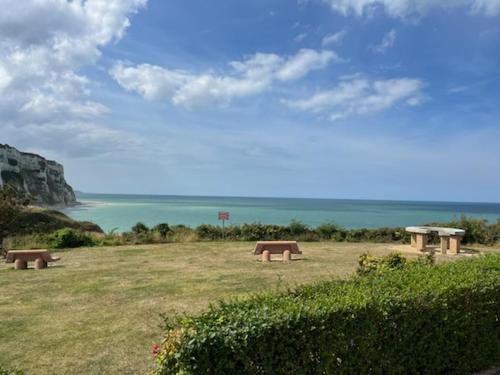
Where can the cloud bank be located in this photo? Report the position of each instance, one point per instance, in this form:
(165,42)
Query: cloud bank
(248,77)
(43,47)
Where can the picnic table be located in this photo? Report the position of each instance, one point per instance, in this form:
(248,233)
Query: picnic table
(20,258)
(450,238)
(285,248)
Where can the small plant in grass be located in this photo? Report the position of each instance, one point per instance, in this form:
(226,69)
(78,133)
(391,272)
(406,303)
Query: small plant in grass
(10,371)
(368,264)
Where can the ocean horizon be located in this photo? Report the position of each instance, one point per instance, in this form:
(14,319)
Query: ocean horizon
(121,211)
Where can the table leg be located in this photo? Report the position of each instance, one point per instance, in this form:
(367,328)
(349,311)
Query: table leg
(445,244)
(20,264)
(455,244)
(421,241)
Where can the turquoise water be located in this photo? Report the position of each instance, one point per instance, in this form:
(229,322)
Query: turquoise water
(123,211)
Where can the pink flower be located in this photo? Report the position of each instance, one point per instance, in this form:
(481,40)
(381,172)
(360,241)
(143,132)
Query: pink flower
(155,350)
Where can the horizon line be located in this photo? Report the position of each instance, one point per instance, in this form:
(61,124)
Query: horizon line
(274,197)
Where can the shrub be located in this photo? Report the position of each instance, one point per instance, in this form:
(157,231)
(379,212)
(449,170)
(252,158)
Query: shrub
(182,233)
(163,229)
(69,238)
(208,232)
(476,230)
(368,264)
(328,230)
(140,228)
(232,232)
(414,320)
(297,227)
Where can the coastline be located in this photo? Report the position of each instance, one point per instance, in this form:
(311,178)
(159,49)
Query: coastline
(123,211)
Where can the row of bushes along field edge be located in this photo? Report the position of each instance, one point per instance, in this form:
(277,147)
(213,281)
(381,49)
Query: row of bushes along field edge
(401,317)
(477,231)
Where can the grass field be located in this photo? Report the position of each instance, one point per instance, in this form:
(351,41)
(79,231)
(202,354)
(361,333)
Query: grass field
(97,311)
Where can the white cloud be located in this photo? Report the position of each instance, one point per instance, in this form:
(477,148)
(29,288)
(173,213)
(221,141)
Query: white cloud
(300,37)
(386,42)
(411,8)
(487,7)
(303,62)
(362,96)
(248,77)
(43,46)
(335,38)
(4,78)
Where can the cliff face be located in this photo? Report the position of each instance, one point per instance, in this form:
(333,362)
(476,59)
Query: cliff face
(42,179)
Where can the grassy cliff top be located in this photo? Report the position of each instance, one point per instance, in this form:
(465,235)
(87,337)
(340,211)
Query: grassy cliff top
(39,220)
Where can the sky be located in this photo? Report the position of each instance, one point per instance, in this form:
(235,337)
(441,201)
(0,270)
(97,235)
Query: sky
(361,99)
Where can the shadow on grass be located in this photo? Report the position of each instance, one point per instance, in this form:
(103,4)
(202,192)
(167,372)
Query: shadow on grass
(468,250)
(437,250)
(32,268)
(278,260)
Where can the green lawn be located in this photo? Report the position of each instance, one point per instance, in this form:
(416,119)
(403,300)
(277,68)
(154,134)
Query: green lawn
(96,311)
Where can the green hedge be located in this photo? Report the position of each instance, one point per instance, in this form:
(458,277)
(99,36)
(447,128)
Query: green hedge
(69,238)
(478,231)
(417,320)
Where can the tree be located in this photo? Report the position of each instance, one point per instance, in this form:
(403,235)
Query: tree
(11,205)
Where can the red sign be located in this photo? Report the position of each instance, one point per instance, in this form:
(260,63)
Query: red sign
(223,215)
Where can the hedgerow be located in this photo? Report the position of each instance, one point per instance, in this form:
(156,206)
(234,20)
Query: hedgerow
(478,231)
(415,319)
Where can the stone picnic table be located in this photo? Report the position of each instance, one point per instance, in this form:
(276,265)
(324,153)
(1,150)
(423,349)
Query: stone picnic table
(450,238)
(286,248)
(20,258)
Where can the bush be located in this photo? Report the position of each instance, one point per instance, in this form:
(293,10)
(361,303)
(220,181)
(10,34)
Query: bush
(477,231)
(328,230)
(414,320)
(296,228)
(140,228)
(163,229)
(69,238)
(208,232)
(368,264)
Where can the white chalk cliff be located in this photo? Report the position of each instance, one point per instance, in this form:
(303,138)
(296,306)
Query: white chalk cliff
(42,179)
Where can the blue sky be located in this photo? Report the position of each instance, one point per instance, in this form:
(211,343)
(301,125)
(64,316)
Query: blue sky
(383,99)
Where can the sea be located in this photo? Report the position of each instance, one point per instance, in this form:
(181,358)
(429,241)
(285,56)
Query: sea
(121,212)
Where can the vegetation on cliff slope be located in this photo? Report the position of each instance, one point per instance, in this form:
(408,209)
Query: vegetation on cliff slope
(17,218)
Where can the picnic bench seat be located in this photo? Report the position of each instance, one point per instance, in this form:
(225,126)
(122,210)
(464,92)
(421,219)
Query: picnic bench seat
(286,248)
(450,238)
(20,258)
